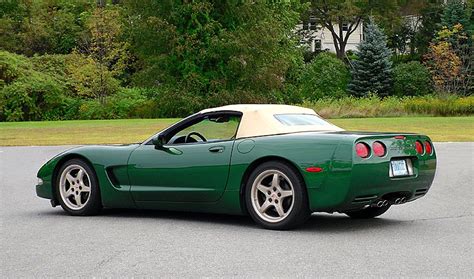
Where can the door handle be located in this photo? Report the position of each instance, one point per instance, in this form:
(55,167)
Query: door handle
(216,149)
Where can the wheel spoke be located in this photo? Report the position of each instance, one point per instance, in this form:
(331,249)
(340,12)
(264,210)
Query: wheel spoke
(69,178)
(263,208)
(262,188)
(279,209)
(68,193)
(80,175)
(77,198)
(85,188)
(276,180)
(286,193)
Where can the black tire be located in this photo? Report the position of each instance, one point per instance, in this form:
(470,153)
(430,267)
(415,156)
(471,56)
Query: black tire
(296,214)
(368,213)
(93,203)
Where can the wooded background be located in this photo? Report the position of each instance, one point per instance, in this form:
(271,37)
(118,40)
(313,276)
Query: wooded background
(83,59)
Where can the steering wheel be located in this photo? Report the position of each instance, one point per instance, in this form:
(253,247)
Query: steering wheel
(194,133)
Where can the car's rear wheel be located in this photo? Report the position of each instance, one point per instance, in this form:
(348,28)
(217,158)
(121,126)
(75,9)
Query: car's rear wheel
(275,196)
(77,188)
(367,213)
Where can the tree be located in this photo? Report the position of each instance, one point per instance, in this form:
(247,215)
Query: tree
(41,26)
(450,61)
(372,71)
(106,54)
(414,31)
(214,51)
(336,15)
(411,79)
(454,13)
(430,17)
(324,76)
(450,58)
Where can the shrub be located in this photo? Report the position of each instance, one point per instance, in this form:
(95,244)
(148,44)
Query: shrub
(12,66)
(450,106)
(33,97)
(398,59)
(89,78)
(325,76)
(174,103)
(348,107)
(54,65)
(27,94)
(411,79)
(128,103)
(373,106)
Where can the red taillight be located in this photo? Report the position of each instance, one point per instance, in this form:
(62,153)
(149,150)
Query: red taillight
(399,137)
(419,147)
(379,148)
(362,150)
(428,147)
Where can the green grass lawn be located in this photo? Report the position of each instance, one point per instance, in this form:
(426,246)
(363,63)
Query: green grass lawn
(137,130)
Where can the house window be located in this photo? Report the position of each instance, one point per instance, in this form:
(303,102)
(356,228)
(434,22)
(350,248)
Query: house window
(345,26)
(317,45)
(305,25)
(312,23)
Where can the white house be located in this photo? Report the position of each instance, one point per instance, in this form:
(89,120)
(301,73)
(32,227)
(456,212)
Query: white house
(317,37)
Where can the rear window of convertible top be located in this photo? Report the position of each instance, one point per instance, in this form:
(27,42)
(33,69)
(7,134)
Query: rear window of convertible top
(301,119)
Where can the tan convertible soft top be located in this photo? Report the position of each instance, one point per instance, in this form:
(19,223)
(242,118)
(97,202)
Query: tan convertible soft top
(260,120)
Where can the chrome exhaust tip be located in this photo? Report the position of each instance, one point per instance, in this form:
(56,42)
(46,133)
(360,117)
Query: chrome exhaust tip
(403,200)
(381,203)
(397,201)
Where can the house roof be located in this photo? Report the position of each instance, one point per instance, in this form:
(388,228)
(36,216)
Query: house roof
(260,120)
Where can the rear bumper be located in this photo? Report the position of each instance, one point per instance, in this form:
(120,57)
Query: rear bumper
(366,183)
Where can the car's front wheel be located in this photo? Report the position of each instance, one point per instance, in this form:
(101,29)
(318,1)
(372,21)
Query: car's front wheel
(77,188)
(276,197)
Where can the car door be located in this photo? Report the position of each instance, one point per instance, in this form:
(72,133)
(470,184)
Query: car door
(179,171)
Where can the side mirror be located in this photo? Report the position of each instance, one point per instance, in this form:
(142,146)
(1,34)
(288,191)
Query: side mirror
(158,141)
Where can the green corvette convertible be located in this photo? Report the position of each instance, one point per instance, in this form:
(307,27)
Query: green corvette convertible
(276,163)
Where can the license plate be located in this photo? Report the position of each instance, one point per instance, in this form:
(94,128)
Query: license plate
(399,168)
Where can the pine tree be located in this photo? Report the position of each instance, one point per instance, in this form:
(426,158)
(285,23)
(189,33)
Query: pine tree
(372,71)
(454,13)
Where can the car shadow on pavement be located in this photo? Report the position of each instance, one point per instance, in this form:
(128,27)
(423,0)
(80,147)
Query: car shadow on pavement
(323,222)
(319,222)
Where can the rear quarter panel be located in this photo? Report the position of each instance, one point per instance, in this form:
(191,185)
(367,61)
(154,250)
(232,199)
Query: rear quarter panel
(301,150)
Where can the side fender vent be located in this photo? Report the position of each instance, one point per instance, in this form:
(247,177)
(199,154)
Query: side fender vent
(113,179)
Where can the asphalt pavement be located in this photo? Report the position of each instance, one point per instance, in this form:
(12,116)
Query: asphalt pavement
(431,237)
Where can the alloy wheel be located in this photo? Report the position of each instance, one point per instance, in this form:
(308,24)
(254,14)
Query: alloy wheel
(75,187)
(272,196)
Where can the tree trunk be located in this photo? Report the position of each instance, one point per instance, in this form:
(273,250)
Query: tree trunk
(101,3)
(340,40)
(341,51)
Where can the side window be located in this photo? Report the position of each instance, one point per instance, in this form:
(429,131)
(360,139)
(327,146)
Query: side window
(209,129)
